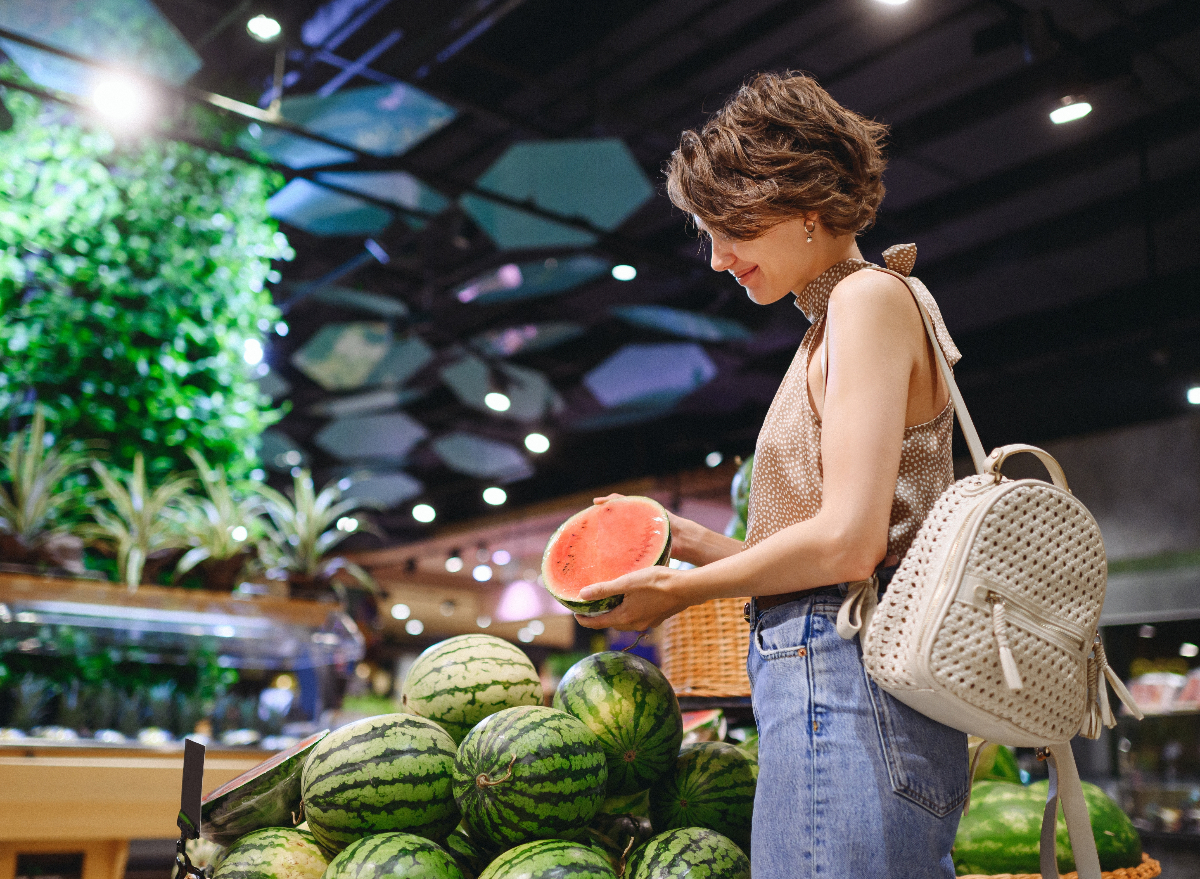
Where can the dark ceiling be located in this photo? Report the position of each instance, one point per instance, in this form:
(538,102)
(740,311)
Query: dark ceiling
(1065,257)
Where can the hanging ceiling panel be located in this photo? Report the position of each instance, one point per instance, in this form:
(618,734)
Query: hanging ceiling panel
(382,120)
(387,488)
(280,452)
(384,306)
(388,436)
(686,324)
(340,357)
(482,458)
(406,357)
(360,404)
(531,279)
(525,338)
(129,33)
(530,395)
(647,375)
(398,187)
(596,180)
(322,211)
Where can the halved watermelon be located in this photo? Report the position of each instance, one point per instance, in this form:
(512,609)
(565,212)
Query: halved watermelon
(266,796)
(602,543)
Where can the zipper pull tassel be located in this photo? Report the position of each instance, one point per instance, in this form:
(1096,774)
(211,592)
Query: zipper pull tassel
(1118,687)
(1012,675)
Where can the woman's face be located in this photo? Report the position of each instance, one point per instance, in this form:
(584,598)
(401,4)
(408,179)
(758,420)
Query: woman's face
(769,267)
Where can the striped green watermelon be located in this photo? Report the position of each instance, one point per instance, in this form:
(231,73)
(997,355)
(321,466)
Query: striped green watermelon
(528,773)
(273,853)
(388,773)
(266,796)
(602,543)
(468,853)
(1001,833)
(550,859)
(712,786)
(388,855)
(688,853)
(460,681)
(630,706)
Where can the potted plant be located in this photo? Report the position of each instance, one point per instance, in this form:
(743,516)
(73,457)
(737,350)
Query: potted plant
(302,534)
(142,527)
(30,533)
(221,527)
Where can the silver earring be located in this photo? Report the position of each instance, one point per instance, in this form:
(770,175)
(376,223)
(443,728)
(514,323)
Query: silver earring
(810,227)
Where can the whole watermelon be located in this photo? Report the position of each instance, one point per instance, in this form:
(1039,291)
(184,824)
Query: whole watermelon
(688,853)
(739,489)
(630,706)
(468,853)
(388,855)
(550,859)
(393,772)
(273,853)
(460,681)
(1002,831)
(528,773)
(712,786)
(994,762)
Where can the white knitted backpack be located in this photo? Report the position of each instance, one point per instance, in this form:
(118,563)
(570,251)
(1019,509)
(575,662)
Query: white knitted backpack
(989,624)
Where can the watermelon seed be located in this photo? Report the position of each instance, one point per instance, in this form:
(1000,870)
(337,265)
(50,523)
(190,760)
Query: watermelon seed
(481,780)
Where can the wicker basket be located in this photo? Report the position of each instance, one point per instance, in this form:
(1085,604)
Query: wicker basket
(1147,869)
(704,649)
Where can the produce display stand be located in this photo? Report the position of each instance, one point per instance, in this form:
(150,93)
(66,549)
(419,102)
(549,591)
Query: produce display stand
(93,799)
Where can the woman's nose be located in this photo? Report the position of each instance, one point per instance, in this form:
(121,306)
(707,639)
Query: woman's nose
(721,259)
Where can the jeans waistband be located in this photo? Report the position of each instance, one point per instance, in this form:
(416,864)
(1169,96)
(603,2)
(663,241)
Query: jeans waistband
(751,612)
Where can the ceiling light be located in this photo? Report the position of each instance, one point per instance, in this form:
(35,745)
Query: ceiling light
(424,513)
(714,459)
(123,101)
(1070,109)
(1193,395)
(501,557)
(347,523)
(454,563)
(624,272)
(494,496)
(1146,631)
(893,2)
(239,533)
(537,443)
(281,329)
(1188,650)
(482,573)
(524,635)
(401,611)
(414,627)
(263,28)
(536,626)
(497,401)
(483,621)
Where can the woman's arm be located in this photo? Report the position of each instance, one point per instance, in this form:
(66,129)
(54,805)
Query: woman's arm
(875,337)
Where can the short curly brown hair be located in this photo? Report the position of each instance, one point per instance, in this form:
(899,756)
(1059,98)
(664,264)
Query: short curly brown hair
(779,148)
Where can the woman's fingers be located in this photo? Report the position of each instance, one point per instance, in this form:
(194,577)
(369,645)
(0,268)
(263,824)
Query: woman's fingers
(606,498)
(600,590)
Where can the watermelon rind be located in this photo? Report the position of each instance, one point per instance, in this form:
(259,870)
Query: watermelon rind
(550,859)
(711,786)
(393,772)
(459,681)
(993,762)
(631,707)
(528,773)
(688,853)
(1002,831)
(266,796)
(273,853)
(470,855)
(389,855)
(600,605)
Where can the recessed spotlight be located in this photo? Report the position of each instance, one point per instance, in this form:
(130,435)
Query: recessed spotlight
(537,627)
(1188,650)
(624,272)
(714,459)
(497,401)
(424,513)
(501,557)
(347,524)
(524,635)
(454,564)
(1193,395)
(252,351)
(264,28)
(537,443)
(414,627)
(483,621)
(1070,108)
(401,611)
(482,573)
(494,496)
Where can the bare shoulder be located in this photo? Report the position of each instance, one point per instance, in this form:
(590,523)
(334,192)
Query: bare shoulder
(868,298)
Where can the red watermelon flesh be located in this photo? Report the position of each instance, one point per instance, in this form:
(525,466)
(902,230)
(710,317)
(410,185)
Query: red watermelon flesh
(602,543)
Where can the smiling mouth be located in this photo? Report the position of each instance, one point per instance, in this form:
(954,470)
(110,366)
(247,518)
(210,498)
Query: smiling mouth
(745,274)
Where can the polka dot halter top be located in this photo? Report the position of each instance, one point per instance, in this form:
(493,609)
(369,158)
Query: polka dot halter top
(787,481)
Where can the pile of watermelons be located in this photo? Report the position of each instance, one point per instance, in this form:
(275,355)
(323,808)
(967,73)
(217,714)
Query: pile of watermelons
(1002,828)
(479,779)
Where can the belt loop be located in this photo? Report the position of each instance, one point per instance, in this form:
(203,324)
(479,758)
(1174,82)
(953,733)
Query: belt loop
(750,612)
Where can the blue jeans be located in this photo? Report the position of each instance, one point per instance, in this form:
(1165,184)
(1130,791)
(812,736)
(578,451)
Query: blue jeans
(852,782)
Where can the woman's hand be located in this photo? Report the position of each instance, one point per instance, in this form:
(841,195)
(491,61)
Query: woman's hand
(651,595)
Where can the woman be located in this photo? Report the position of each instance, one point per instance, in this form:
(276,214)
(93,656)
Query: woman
(855,449)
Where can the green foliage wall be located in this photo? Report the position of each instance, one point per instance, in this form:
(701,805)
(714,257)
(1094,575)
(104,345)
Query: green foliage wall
(131,275)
